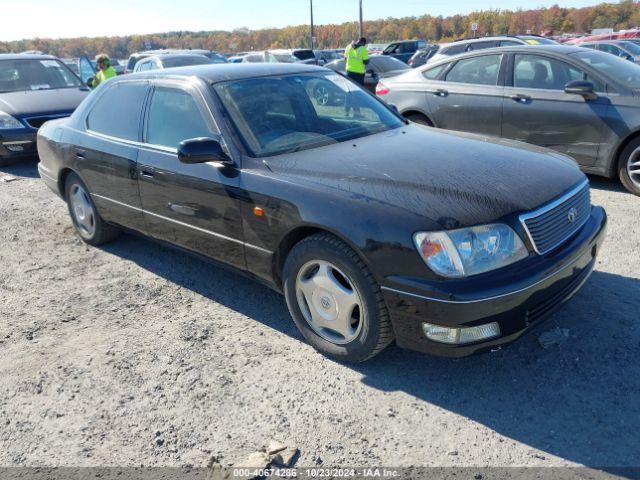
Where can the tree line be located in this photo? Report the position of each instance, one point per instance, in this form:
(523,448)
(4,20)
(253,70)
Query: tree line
(622,15)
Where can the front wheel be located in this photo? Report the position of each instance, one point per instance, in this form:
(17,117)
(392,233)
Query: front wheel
(334,300)
(629,167)
(84,215)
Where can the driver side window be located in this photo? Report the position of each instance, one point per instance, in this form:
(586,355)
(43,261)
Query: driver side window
(174,116)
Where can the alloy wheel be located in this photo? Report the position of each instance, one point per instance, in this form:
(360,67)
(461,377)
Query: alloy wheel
(322,95)
(83,212)
(329,302)
(633,167)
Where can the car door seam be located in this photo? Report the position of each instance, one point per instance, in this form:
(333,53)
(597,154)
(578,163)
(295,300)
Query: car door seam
(162,217)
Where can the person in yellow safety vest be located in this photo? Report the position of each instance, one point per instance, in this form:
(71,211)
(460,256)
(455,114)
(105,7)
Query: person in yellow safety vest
(105,71)
(356,58)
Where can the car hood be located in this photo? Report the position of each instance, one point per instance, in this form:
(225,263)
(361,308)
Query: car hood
(34,102)
(452,178)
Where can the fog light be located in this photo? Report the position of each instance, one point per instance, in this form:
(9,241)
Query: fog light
(457,336)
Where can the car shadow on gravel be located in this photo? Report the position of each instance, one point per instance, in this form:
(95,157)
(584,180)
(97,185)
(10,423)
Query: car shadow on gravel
(578,401)
(608,184)
(21,168)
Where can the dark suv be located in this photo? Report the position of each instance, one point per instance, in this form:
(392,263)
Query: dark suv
(405,49)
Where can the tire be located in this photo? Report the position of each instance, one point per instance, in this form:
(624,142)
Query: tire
(629,167)
(324,276)
(84,214)
(419,119)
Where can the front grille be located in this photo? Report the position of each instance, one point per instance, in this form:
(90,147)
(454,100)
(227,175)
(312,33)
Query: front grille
(37,122)
(552,225)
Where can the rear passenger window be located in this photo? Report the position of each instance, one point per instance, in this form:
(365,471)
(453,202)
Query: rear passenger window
(174,116)
(117,111)
(477,70)
(433,73)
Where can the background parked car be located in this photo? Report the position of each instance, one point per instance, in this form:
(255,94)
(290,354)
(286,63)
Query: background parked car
(135,57)
(405,49)
(285,56)
(577,101)
(422,56)
(472,44)
(156,62)
(380,66)
(621,48)
(327,56)
(33,90)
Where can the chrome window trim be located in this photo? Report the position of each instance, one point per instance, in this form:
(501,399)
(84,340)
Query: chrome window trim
(209,232)
(547,208)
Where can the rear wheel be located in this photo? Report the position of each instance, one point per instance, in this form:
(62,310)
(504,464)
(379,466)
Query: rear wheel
(334,300)
(419,119)
(629,167)
(84,215)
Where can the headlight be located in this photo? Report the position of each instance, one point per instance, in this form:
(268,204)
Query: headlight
(7,122)
(470,251)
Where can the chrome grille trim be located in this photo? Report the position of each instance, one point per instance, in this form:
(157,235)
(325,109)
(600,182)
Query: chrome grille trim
(548,227)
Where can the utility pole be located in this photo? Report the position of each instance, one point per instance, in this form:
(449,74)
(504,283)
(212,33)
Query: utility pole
(361,26)
(313,39)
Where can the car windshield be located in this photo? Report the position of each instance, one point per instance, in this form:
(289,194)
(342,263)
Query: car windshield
(285,57)
(35,74)
(304,54)
(185,61)
(631,47)
(281,114)
(387,64)
(623,71)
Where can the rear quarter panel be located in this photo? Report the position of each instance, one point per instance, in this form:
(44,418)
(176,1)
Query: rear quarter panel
(53,146)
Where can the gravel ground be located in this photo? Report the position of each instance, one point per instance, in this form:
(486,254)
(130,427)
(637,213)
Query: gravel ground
(134,354)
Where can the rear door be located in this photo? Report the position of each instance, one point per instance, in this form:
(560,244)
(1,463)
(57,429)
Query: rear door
(106,153)
(537,110)
(469,96)
(195,206)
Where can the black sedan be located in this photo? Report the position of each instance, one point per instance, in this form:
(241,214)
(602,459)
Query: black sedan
(375,229)
(33,89)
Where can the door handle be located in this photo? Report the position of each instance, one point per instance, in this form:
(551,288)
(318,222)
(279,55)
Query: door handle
(182,209)
(146,172)
(440,92)
(80,153)
(519,97)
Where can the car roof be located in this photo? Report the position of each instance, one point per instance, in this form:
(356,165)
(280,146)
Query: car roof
(169,56)
(213,73)
(561,49)
(27,56)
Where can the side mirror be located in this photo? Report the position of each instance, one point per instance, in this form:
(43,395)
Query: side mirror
(581,87)
(202,150)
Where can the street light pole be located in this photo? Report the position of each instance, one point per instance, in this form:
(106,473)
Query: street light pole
(312,32)
(361,27)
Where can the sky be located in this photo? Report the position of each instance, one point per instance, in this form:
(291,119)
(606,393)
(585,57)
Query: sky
(72,18)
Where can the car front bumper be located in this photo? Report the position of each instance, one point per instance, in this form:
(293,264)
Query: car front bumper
(517,301)
(18,145)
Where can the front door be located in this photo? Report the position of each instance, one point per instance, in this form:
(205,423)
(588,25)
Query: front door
(537,110)
(470,96)
(192,205)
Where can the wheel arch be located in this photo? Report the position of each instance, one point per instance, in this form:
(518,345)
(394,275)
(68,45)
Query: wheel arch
(62,179)
(614,160)
(413,111)
(295,236)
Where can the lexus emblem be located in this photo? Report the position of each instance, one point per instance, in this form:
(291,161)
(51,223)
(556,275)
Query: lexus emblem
(572,215)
